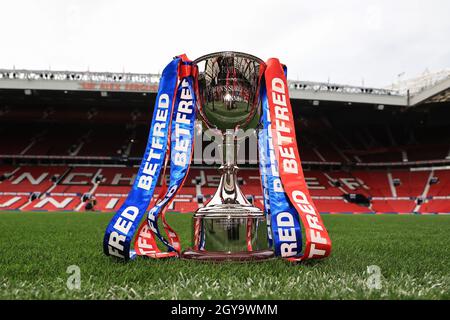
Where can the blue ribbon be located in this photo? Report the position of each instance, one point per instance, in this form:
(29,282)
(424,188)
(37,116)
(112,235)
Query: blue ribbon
(182,134)
(122,227)
(264,166)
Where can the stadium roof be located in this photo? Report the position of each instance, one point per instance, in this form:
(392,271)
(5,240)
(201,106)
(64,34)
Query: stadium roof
(437,91)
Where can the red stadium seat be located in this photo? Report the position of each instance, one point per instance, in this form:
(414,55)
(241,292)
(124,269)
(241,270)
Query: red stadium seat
(412,184)
(436,206)
(442,187)
(397,206)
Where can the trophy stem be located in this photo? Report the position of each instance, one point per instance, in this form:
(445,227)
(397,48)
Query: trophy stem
(228,191)
(230,149)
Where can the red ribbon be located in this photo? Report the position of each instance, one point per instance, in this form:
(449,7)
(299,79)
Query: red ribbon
(318,243)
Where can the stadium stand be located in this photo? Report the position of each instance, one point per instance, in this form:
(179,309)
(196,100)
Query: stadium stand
(66,145)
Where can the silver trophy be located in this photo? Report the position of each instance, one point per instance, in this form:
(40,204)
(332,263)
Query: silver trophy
(229,227)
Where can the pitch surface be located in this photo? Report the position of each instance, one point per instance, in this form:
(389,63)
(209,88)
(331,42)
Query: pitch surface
(412,252)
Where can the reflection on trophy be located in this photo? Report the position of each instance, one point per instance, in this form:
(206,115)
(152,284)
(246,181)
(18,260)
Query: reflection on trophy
(229,227)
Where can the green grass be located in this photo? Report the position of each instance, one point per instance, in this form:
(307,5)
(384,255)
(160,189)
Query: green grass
(413,253)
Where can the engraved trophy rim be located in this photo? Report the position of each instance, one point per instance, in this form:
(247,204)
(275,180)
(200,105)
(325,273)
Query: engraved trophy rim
(229,53)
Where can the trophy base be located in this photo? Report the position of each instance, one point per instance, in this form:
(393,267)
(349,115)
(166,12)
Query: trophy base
(211,256)
(229,232)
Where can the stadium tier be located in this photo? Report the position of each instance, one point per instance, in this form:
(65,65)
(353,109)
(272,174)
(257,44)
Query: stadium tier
(61,188)
(105,140)
(74,143)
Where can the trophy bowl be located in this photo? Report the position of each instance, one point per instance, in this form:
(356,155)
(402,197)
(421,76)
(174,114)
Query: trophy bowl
(229,227)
